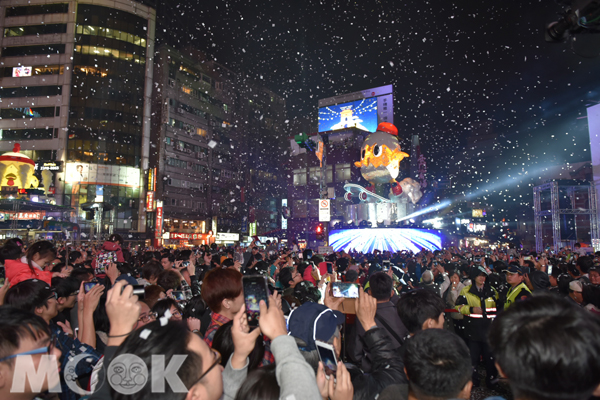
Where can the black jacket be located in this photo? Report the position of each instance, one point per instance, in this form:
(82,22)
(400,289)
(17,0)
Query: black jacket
(387,368)
(387,313)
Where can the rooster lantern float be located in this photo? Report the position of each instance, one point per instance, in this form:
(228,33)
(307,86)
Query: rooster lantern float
(380,157)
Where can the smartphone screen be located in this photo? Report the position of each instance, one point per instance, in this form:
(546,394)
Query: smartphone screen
(88,286)
(185,264)
(345,290)
(178,295)
(327,356)
(329,268)
(386,265)
(255,290)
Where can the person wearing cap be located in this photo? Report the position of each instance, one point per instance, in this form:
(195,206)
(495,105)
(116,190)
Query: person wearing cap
(576,292)
(518,289)
(314,322)
(477,302)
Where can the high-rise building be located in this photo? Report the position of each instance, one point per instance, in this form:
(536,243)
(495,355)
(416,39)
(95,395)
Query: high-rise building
(75,88)
(195,184)
(261,116)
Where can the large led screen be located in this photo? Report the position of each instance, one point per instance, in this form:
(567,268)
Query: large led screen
(390,239)
(360,113)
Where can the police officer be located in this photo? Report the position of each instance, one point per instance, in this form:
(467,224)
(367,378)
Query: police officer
(477,302)
(518,289)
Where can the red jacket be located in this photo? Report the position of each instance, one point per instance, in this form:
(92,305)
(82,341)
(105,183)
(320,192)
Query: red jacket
(16,272)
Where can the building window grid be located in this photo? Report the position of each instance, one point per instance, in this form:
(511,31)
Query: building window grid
(108,52)
(315,175)
(343,172)
(299,177)
(111,34)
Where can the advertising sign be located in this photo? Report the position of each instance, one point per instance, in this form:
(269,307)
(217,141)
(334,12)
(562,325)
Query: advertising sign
(100,174)
(284,222)
(23,216)
(324,210)
(478,213)
(149,201)
(227,237)
(151,179)
(188,236)
(54,166)
(159,219)
(19,72)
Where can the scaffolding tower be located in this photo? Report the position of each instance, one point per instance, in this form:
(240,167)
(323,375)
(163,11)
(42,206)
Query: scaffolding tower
(555,211)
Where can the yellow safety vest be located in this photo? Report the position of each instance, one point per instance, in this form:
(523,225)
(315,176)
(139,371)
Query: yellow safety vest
(474,301)
(511,298)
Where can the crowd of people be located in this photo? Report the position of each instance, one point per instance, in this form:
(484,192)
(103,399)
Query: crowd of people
(109,322)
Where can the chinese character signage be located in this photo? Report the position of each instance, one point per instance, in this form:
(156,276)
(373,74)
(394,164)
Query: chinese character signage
(159,219)
(149,201)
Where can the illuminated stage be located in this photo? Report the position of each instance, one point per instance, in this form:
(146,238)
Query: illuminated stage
(390,239)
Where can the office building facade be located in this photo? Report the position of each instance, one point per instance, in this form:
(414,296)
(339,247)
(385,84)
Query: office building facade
(76,82)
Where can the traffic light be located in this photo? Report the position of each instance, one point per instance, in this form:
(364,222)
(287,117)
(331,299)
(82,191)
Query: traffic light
(320,232)
(305,142)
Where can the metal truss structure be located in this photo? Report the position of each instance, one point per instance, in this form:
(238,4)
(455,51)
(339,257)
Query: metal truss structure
(555,211)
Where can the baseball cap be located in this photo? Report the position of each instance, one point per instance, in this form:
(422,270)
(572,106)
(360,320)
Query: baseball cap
(127,278)
(513,269)
(313,321)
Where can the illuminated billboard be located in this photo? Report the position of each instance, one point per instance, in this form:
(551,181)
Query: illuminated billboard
(390,239)
(18,72)
(361,114)
(100,174)
(364,110)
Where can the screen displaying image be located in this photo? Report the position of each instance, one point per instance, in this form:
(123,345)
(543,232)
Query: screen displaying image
(345,290)
(385,239)
(255,290)
(360,113)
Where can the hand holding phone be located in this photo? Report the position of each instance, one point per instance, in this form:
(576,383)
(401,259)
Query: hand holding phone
(327,357)
(255,289)
(87,286)
(345,290)
(178,295)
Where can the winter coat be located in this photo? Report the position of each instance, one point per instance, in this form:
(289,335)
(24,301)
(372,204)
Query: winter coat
(17,271)
(387,367)
(385,312)
(477,325)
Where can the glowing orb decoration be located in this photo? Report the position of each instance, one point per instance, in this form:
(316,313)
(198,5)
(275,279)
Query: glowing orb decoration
(390,239)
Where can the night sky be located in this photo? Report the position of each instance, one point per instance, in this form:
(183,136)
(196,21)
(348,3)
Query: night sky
(453,64)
